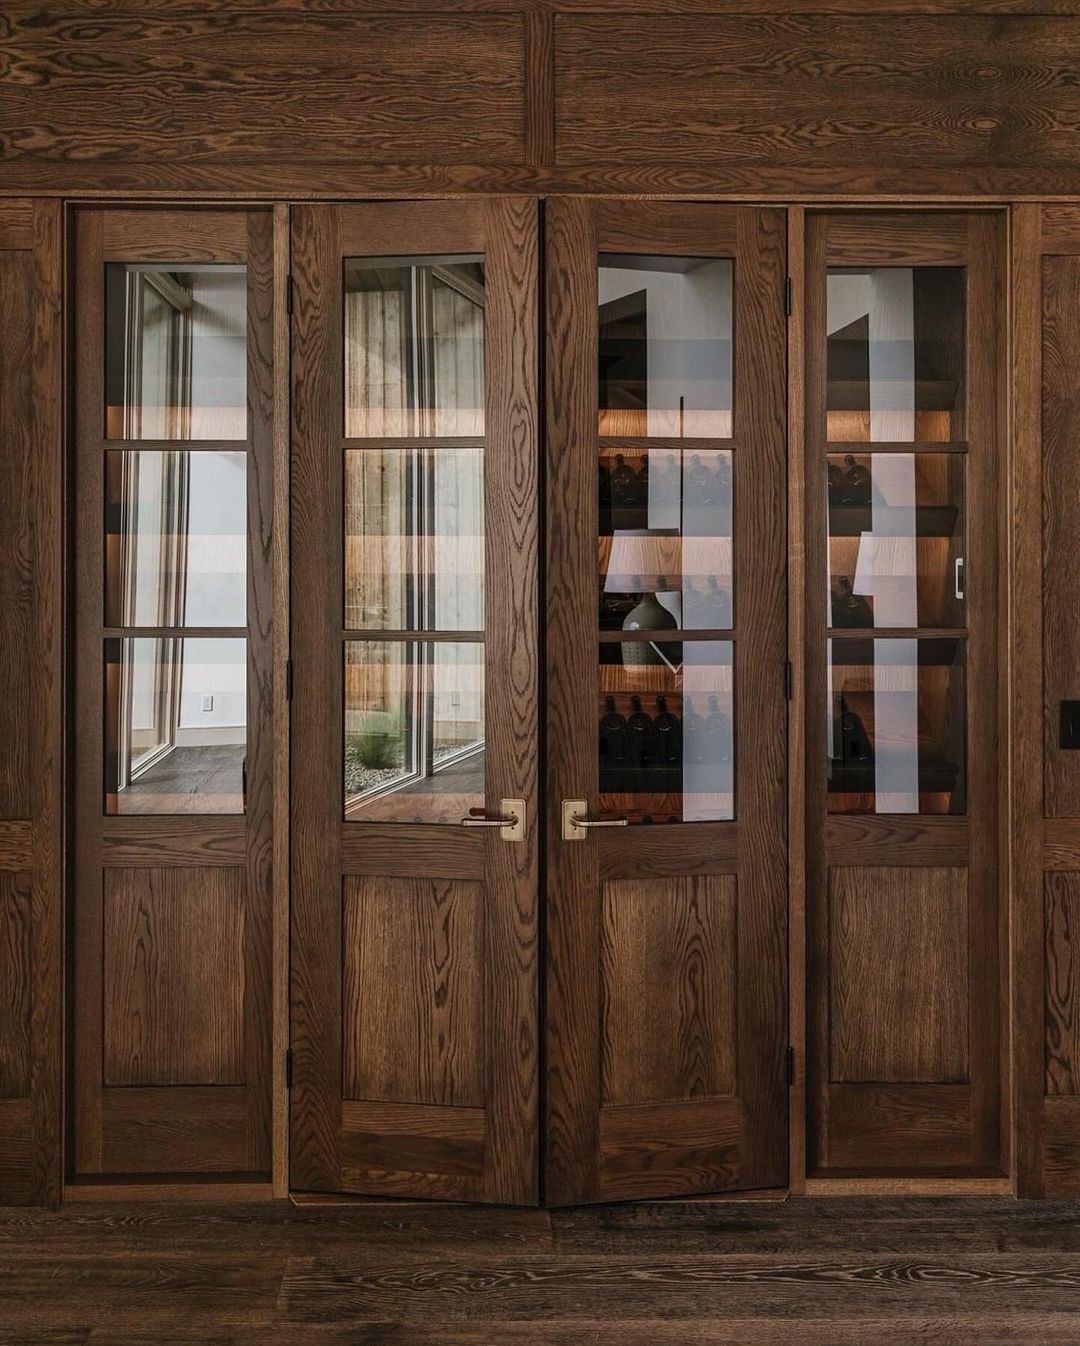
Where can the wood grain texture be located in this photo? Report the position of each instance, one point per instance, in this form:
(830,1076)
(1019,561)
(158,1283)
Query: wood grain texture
(669,981)
(173,1131)
(174,976)
(898,975)
(1061,537)
(914,1127)
(886,89)
(226,84)
(413,1012)
(434,1151)
(685,1147)
(1062,955)
(16,997)
(1059,1146)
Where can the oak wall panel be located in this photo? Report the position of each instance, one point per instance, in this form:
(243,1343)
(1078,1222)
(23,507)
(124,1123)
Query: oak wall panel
(262,85)
(413,991)
(889,90)
(898,975)
(174,976)
(1062,983)
(669,980)
(15,997)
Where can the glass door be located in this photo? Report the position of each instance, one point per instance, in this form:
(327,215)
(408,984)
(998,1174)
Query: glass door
(416,700)
(666,746)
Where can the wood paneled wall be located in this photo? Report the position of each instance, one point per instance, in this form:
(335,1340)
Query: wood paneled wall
(355,97)
(30,701)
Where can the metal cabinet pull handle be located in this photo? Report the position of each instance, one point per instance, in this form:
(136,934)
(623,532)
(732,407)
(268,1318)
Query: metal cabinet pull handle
(575,824)
(510,820)
(958,577)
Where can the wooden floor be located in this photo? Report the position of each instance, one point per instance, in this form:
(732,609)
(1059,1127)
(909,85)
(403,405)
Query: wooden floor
(827,1272)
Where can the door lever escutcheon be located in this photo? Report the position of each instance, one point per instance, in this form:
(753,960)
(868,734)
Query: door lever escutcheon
(510,820)
(575,823)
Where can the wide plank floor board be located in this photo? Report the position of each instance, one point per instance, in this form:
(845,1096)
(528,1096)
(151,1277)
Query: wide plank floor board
(824,1272)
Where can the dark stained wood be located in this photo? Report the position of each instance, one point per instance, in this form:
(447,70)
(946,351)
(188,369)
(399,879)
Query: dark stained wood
(16,996)
(413,1004)
(415,993)
(1061,537)
(868,967)
(869,89)
(15,844)
(171,927)
(669,981)
(1062,926)
(1059,1146)
(1058,232)
(650,1006)
(173,982)
(380,87)
(898,974)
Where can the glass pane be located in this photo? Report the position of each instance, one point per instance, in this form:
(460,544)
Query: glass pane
(666,740)
(414,539)
(175,725)
(896,539)
(895,353)
(414,346)
(175,351)
(414,730)
(175,538)
(665,540)
(896,726)
(665,345)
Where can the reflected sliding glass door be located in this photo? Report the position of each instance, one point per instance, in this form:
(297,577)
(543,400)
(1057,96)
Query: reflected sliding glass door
(416,703)
(666,745)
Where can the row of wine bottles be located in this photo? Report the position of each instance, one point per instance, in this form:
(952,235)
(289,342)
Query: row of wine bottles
(850,484)
(626,487)
(663,739)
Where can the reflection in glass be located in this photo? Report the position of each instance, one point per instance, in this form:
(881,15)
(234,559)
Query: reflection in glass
(175,725)
(896,726)
(414,539)
(665,327)
(896,539)
(665,540)
(414,730)
(414,347)
(895,354)
(175,538)
(666,733)
(175,351)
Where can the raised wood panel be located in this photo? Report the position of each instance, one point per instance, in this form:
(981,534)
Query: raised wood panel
(15,992)
(1062,926)
(669,977)
(1061,1147)
(439,1151)
(182,1130)
(247,86)
(886,90)
(898,975)
(16,1181)
(174,976)
(17,543)
(413,991)
(1061,535)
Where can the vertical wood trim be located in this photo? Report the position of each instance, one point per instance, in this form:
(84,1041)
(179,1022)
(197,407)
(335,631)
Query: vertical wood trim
(279,1149)
(315,512)
(512,485)
(573,912)
(1025,698)
(540,90)
(796,711)
(46,710)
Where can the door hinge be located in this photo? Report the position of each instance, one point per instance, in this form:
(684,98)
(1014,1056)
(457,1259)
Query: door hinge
(288,295)
(788,678)
(288,679)
(790,1066)
(288,1067)
(787,295)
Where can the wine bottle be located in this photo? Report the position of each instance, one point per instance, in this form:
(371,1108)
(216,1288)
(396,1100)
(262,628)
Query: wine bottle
(668,734)
(848,607)
(614,736)
(623,484)
(649,615)
(639,732)
(605,488)
(699,481)
(693,732)
(837,485)
(718,733)
(858,483)
(719,605)
(854,743)
(694,606)
(641,483)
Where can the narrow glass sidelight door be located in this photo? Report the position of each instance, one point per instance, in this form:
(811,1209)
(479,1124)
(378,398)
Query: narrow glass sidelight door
(666,643)
(416,700)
